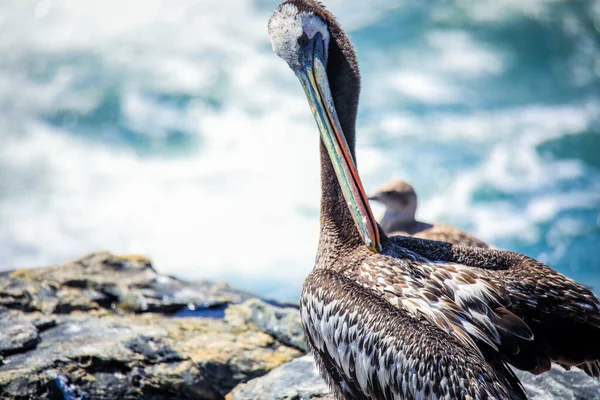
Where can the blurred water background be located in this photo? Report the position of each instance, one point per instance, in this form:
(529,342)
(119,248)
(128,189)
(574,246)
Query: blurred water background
(170,129)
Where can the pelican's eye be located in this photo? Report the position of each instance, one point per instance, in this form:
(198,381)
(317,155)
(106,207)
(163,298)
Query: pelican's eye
(303,40)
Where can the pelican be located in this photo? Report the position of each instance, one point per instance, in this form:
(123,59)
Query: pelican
(407,318)
(400,200)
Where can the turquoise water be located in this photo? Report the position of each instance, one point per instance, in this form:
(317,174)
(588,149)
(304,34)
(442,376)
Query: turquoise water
(172,130)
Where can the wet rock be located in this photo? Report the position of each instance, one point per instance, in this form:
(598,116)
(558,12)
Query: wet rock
(106,281)
(42,322)
(19,333)
(560,384)
(17,336)
(296,380)
(281,322)
(299,379)
(138,357)
(103,327)
(61,388)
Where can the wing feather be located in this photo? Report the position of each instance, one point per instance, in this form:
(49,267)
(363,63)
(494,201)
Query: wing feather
(449,296)
(562,315)
(383,352)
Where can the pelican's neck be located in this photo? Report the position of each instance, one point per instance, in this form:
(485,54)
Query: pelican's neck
(397,221)
(338,231)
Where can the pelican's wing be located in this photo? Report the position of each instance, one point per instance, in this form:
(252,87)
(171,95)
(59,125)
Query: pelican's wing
(368,349)
(563,314)
(449,296)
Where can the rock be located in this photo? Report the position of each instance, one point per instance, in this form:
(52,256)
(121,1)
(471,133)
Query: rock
(560,384)
(17,336)
(138,357)
(106,281)
(102,327)
(282,323)
(296,380)
(299,379)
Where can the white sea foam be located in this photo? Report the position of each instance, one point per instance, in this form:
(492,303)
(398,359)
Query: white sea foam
(457,52)
(424,87)
(509,163)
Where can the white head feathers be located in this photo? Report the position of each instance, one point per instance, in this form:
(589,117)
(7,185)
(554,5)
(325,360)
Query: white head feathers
(287,25)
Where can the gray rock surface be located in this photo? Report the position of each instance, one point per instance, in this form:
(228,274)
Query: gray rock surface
(283,323)
(139,357)
(107,281)
(299,379)
(295,380)
(102,328)
(560,384)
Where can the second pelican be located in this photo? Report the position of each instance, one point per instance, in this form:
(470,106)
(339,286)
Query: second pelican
(400,200)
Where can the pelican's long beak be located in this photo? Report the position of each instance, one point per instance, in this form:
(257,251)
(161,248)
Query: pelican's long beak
(313,77)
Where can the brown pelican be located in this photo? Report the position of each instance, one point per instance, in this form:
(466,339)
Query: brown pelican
(400,200)
(402,317)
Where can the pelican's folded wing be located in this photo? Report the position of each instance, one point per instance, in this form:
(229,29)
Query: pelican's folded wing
(563,314)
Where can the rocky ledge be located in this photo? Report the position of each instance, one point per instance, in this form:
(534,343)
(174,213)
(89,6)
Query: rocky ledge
(299,379)
(111,327)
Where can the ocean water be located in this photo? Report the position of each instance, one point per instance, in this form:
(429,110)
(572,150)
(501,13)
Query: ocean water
(170,129)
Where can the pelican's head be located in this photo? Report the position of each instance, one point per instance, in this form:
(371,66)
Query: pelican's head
(398,196)
(299,33)
(307,37)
